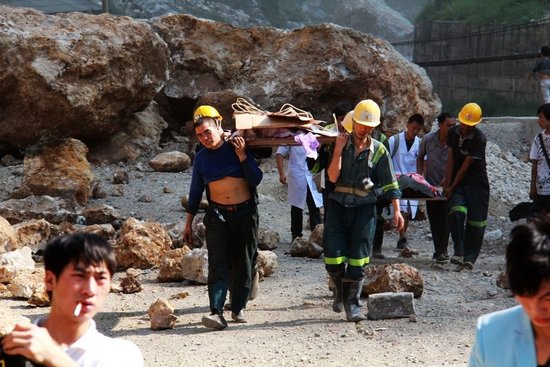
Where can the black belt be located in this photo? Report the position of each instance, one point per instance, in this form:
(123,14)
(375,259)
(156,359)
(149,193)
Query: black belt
(231,208)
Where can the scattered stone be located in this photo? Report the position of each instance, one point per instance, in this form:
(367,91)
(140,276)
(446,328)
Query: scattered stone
(105,231)
(267,240)
(267,263)
(316,235)
(167,190)
(100,214)
(161,315)
(145,198)
(133,273)
(390,305)
(121,177)
(408,252)
(170,162)
(27,282)
(34,233)
(493,235)
(180,295)
(171,266)
(39,297)
(8,237)
(195,265)
(141,244)
(502,281)
(301,247)
(130,284)
(118,190)
(393,278)
(14,263)
(98,192)
(52,209)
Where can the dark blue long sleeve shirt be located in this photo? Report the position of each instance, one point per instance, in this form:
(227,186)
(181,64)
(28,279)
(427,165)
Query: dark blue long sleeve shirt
(211,165)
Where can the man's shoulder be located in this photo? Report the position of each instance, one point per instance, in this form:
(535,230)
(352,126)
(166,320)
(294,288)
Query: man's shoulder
(502,319)
(430,135)
(479,135)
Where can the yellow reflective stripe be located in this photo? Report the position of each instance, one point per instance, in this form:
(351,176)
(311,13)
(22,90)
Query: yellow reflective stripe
(379,153)
(477,224)
(359,262)
(335,260)
(390,186)
(458,208)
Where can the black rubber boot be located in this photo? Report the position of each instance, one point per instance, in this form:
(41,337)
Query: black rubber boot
(338,303)
(378,239)
(352,292)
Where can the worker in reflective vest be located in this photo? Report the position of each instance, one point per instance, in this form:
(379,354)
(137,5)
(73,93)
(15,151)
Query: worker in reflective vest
(361,171)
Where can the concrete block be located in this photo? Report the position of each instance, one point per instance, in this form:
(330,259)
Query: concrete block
(390,305)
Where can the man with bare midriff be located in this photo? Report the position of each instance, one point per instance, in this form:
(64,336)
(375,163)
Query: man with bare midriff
(229,173)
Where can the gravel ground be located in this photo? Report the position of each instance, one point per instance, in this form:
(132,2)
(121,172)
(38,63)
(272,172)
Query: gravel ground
(291,322)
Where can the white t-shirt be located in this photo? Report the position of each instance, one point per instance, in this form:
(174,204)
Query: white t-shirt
(543,171)
(94,349)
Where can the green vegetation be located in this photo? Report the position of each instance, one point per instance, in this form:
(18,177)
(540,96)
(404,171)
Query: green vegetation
(486,11)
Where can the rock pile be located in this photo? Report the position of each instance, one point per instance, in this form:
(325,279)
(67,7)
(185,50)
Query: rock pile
(509,179)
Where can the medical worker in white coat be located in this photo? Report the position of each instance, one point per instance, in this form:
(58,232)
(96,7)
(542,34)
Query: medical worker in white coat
(301,188)
(404,151)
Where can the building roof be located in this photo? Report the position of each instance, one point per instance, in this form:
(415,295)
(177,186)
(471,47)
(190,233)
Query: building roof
(57,6)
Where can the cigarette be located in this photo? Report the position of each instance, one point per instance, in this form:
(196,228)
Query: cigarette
(77,309)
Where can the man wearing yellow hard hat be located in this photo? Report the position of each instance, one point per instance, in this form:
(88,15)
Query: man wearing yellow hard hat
(467,186)
(361,171)
(230,175)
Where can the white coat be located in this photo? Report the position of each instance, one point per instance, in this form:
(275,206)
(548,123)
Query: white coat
(298,177)
(404,161)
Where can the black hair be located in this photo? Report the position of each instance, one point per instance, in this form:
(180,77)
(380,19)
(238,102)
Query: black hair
(342,108)
(443,116)
(545,51)
(528,256)
(85,248)
(199,121)
(417,118)
(545,110)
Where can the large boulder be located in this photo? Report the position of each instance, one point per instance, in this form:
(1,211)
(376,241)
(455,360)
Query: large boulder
(313,68)
(140,135)
(74,75)
(57,169)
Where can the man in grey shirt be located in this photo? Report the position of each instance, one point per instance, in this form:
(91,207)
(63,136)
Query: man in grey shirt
(431,163)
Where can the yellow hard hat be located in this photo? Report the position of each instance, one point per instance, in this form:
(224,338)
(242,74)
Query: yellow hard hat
(470,114)
(206,111)
(365,113)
